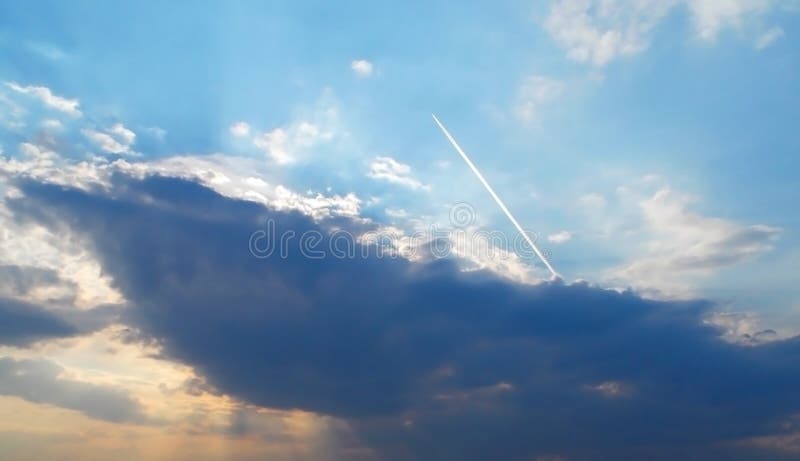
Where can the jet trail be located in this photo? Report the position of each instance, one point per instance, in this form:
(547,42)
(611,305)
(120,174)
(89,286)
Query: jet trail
(494,196)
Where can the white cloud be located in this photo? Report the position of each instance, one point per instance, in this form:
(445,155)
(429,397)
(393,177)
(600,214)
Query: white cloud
(768,38)
(742,328)
(233,177)
(68,106)
(125,135)
(255,182)
(240,129)
(106,142)
(599,31)
(683,246)
(37,152)
(361,67)
(560,237)
(283,144)
(274,144)
(116,140)
(535,91)
(474,248)
(389,169)
(80,278)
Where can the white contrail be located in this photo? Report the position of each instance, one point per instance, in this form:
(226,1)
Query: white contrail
(494,196)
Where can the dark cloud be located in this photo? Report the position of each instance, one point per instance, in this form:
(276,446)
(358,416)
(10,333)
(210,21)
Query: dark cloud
(425,361)
(39,381)
(21,280)
(23,323)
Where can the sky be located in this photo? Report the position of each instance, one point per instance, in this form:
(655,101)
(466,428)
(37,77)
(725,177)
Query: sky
(232,230)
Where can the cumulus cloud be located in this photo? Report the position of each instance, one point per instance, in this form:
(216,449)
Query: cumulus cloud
(42,93)
(361,67)
(389,169)
(421,359)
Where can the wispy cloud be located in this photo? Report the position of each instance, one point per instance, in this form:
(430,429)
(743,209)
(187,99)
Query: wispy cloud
(769,37)
(42,93)
(683,245)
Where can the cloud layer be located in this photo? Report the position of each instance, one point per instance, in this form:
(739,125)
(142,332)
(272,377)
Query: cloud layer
(423,360)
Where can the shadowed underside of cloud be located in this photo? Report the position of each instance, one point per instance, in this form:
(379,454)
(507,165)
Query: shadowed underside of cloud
(425,361)
(39,381)
(23,323)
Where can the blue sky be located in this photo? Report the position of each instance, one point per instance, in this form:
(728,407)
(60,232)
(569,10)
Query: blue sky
(710,114)
(651,145)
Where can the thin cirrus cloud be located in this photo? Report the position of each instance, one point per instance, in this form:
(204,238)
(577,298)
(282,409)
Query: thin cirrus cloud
(447,358)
